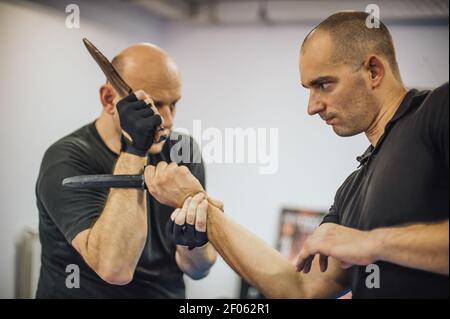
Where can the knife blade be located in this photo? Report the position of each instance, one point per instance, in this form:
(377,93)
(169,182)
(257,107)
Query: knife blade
(119,84)
(105,181)
(108,69)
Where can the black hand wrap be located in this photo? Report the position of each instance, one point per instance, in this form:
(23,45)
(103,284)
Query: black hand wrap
(139,121)
(185,235)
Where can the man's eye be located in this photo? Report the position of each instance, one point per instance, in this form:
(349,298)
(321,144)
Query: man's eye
(324,86)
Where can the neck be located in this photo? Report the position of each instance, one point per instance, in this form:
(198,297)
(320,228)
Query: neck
(389,106)
(105,128)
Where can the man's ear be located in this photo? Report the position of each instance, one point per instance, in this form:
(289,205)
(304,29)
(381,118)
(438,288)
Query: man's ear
(107,96)
(376,69)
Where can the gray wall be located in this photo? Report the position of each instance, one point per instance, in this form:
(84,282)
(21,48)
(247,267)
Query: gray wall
(49,87)
(244,76)
(248,77)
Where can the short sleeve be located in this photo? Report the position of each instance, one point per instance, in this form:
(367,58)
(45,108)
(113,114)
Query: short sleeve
(443,127)
(436,119)
(332,216)
(72,210)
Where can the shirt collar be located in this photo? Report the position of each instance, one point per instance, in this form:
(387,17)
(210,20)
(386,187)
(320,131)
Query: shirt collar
(365,157)
(402,110)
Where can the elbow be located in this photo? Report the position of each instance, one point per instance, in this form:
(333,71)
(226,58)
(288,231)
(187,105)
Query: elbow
(196,272)
(115,277)
(200,272)
(197,275)
(195,267)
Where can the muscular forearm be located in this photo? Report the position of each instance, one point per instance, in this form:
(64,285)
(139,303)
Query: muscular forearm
(197,262)
(259,264)
(117,239)
(421,246)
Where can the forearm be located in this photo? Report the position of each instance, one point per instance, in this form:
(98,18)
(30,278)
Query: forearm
(197,262)
(421,246)
(258,263)
(117,239)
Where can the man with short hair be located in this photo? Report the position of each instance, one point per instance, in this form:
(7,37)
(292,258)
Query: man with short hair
(118,239)
(391,212)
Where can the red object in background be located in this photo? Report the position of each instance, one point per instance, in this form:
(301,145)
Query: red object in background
(295,227)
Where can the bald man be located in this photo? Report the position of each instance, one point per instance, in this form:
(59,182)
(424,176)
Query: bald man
(97,244)
(387,233)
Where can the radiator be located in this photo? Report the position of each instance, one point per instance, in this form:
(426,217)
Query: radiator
(28,264)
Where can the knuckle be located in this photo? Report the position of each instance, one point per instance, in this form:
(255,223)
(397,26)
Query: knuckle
(173,165)
(161,165)
(153,190)
(190,219)
(184,169)
(201,224)
(149,169)
(179,220)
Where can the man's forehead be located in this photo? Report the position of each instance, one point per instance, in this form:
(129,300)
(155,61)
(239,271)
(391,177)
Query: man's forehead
(164,95)
(316,56)
(317,41)
(162,84)
(312,68)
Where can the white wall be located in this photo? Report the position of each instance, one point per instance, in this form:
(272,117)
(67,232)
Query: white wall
(233,77)
(48,88)
(248,77)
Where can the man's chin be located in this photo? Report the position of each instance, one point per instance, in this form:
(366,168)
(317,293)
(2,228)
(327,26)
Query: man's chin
(345,132)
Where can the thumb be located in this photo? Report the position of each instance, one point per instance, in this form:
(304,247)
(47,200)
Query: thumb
(149,174)
(216,202)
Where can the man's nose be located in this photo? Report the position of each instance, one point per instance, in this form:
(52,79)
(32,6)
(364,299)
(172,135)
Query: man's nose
(315,105)
(167,116)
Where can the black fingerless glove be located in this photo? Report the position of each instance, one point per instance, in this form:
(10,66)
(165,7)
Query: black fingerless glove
(139,122)
(185,235)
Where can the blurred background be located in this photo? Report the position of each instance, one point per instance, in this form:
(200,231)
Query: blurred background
(239,66)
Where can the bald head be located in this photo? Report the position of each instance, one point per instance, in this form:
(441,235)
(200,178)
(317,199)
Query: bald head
(144,66)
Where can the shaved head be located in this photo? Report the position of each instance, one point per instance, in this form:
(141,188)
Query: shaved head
(144,64)
(350,71)
(148,68)
(352,40)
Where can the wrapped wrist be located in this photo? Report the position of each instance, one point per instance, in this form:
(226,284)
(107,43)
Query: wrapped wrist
(127,147)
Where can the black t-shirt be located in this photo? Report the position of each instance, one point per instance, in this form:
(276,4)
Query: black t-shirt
(402,180)
(65,212)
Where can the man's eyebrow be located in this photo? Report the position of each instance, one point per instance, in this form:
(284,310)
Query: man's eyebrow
(160,102)
(320,80)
